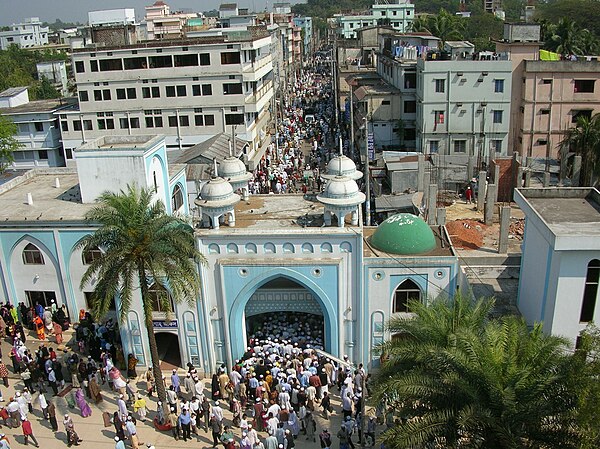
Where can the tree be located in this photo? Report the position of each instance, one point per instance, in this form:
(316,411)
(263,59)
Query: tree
(444,25)
(140,245)
(584,140)
(45,90)
(8,143)
(456,378)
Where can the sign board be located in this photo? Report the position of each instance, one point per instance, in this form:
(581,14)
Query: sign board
(371,146)
(164,324)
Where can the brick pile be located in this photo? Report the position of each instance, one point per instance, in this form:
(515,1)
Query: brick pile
(466,234)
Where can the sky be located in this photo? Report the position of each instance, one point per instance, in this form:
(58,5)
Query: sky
(14,11)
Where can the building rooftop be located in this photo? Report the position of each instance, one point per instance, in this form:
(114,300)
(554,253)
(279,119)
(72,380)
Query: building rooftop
(49,202)
(141,143)
(570,214)
(12,91)
(265,213)
(41,106)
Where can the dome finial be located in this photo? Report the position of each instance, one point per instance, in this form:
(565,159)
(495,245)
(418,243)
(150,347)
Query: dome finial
(230,147)
(215,167)
(341,147)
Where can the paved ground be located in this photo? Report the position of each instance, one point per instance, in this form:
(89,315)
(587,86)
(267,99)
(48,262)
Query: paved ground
(96,436)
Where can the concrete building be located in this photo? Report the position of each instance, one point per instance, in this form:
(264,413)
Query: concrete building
(560,266)
(399,15)
(38,132)
(189,90)
(463,102)
(56,73)
(30,33)
(161,23)
(306,26)
(278,255)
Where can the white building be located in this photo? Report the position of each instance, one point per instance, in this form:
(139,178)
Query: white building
(123,16)
(188,90)
(29,33)
(37,131)
(560,265)
(161,23)
(463,102)
(56,73)
(399,15)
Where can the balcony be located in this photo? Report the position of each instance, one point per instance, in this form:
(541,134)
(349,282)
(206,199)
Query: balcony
(256,101)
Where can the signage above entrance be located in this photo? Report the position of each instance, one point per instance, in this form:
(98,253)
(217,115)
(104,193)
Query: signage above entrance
(164,324)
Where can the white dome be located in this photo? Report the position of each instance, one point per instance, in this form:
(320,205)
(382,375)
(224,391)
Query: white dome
(341,191)
(217,193)
(342,166)
(231,167)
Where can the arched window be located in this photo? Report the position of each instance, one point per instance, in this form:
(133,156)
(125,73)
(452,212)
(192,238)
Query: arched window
(177,198)
(89,255)
(32,255)
(159,296)
(405,292)
(590,292)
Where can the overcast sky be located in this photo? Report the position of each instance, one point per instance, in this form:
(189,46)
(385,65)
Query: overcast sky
(14,11)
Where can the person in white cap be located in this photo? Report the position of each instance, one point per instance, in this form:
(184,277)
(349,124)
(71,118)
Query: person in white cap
(119,443)
(122,406)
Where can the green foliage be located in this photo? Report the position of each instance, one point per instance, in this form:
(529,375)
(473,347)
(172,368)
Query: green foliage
(584,140)
(481,28)
(444,25)
(18,68)
(8,143)
(566,37)
(583,12)
(44,90)
(456,378)
(326,9)
(60,25)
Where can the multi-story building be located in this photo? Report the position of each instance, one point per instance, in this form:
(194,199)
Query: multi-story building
(547,96)
(161,23)
(56,73)
(399,15)
(37,131)
(463,102)
(29,33)
(306,25)
(187,90)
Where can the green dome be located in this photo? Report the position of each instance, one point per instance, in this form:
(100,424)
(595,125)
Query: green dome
(403,234)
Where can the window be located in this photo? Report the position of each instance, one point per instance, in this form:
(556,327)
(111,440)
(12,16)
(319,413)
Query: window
(160,62)
(39,127)
(232,88)
(184,120)
(173,121)
(94,65)
(207,89)
(79,67)
(88,256)
(498,86)
(584,86)
(177,198)
(68,153)
(64,125)
(575,114)
(204,58)
(497,116)
(196,90)
(181,91)
(440,85)
(32,255)
(135,63)
(546,81)
(407,291)
(496,145)
(176,91)
(100,95)
(386,102)
(87,125)
(230,57)
(132,122)
(544,111)
(438,117)
(83,96)
(590,291)
(126,94)
(110,65)
(161,299)
(234,119)
(23,128)
(460,146)
(410,107)
(209,120)
(434,146)
(199,120)
(106,123)
(76,125)
(410,80)
(151,92)
(410,134)
(155,120)
(186,60)
(43,155)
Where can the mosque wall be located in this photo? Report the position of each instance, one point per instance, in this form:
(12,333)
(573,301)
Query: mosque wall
(326,264)
(434,276)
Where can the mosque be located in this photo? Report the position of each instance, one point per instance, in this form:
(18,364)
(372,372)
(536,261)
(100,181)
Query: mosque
(300,268)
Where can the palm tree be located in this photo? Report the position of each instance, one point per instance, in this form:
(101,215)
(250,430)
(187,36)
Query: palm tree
(447,27)
(584,140)
(455,379)
(140,244)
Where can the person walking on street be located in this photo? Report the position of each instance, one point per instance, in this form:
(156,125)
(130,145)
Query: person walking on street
(173,420)
(325,439)
(4,373)
(51,410)
(119,443)
(132,432)
(28,432)
(185,423)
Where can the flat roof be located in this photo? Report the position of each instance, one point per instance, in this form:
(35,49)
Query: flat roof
(142,143)
(570,214)
(49,203)
(293,212)
(40,106)
(12,91)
